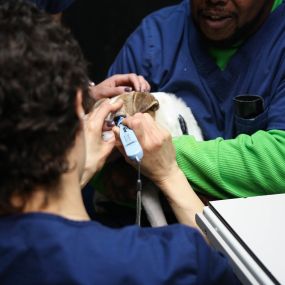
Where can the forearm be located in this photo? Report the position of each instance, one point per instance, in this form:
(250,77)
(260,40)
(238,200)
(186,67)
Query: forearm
(241,167)
(181,197)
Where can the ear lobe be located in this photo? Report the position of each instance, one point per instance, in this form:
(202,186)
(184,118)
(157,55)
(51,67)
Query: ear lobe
(87,102)
(144,102)
(78,105)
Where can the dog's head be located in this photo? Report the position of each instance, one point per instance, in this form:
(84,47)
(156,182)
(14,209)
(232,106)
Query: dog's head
(134,102)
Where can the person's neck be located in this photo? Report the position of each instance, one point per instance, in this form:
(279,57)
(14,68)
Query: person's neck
(68,203)
(66,200)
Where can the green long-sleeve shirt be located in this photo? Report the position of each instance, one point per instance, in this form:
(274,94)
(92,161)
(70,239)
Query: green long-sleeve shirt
(241,167)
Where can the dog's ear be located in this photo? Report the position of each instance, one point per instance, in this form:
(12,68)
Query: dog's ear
(138,102)
(144,102)
(135,102)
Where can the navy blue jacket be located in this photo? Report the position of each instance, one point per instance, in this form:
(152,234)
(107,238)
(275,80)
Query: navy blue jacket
(47,249)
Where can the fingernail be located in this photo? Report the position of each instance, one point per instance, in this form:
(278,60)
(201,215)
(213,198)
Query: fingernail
(128,89)
(107,135)
(110,124)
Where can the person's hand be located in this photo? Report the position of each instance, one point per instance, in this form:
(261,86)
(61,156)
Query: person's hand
(159,160)
(97,147)
(118,84)
(159,164)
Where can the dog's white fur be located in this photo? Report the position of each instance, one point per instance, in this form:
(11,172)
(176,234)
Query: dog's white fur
(170,107)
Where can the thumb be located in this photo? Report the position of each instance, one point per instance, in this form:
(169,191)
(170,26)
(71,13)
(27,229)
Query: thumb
(119,145)
(109,142)
(116,132)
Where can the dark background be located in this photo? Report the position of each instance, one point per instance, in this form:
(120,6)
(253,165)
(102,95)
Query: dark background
(101,27)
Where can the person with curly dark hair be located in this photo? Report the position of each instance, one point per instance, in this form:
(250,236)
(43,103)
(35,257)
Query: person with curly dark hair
(49,148)
(110,87)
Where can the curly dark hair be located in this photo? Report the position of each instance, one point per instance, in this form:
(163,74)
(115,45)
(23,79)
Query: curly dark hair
(41,70)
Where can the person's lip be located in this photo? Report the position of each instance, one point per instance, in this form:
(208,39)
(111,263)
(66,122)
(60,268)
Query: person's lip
(215,19)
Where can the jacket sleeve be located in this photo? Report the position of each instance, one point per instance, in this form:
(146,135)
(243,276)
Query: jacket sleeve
(241,167)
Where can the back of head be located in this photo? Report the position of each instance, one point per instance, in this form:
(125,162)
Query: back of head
(41,70)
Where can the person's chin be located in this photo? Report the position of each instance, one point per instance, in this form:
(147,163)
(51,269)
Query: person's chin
(219,33)
(219,39)
(221,26)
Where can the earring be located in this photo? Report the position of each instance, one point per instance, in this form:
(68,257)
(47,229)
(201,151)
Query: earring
(91,84)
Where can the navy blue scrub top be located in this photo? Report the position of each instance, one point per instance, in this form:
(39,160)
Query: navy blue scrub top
(169,52)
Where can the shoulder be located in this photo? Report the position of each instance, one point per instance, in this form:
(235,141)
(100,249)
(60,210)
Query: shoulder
(274,26)
(171,11)
(267,63)
(172,15)
(164,27)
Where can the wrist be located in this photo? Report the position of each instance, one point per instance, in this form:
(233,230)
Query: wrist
(177,188)
(181,197)
(168,182)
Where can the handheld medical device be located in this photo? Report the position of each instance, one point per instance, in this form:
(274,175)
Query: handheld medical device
(129,140)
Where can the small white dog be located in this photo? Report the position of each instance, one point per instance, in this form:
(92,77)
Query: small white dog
(174,115)
(171,113)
